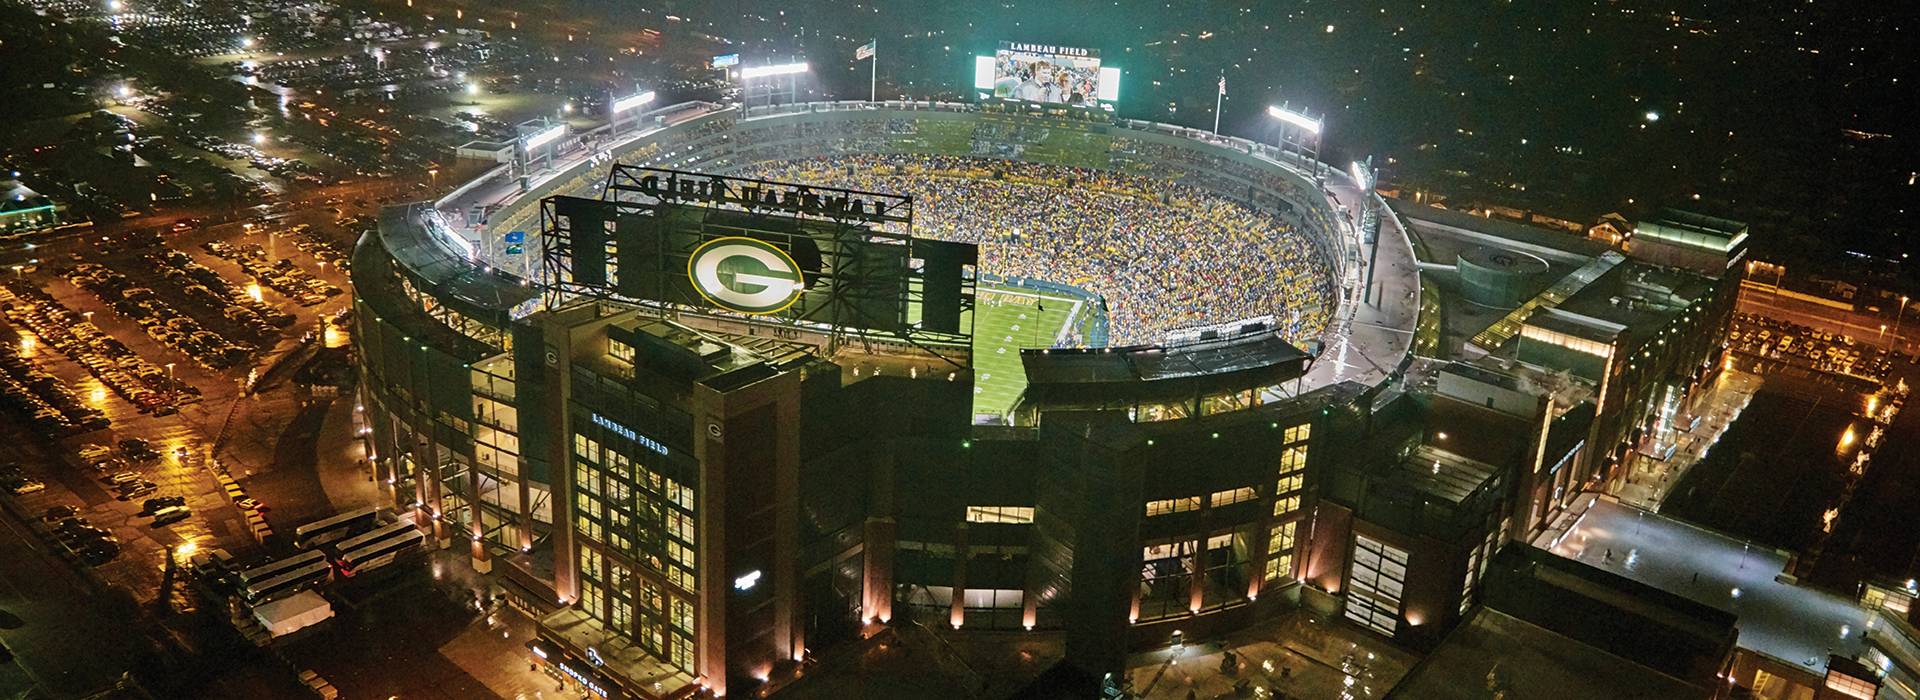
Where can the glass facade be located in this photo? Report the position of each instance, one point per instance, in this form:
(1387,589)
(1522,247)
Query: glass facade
(1375,585)
(635,527)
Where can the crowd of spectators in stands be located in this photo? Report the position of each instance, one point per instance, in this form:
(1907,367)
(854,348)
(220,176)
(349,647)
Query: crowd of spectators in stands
(1160,255)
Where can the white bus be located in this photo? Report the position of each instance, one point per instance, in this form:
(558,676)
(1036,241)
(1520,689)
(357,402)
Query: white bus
(276,568)
(378,549)
(288,583)
(338,527)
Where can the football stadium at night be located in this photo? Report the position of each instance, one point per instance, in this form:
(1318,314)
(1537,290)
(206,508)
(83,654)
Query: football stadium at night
(665,350)
(717,387)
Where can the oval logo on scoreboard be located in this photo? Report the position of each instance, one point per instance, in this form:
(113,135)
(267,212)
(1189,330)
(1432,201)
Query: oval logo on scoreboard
(746,275)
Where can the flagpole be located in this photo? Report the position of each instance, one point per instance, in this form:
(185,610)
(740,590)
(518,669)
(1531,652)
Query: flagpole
(1219,96)
(873,73)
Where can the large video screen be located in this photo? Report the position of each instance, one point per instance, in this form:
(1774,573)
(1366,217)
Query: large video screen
(1045,73)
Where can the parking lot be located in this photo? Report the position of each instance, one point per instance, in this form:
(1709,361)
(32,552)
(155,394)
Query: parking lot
(153,349)
(1808,348)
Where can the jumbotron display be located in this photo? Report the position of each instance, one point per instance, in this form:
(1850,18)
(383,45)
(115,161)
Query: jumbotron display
(1043,73)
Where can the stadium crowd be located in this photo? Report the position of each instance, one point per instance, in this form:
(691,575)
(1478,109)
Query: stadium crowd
(1161,255)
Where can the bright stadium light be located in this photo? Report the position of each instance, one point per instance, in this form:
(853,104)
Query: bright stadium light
(625,103)
(752,72)
(124,91)
(1295,118)
(1360,176)
(545,137)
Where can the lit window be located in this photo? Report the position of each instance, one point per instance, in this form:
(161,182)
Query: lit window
(1000,514)
(1231,496)
(1173,505)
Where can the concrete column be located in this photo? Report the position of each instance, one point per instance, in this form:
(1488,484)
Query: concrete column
(1196,570)
(957,613)
(879,536)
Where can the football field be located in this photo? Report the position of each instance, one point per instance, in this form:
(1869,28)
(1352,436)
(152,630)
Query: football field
(1007,319)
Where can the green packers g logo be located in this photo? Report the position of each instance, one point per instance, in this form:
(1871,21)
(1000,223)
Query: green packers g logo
(745,275)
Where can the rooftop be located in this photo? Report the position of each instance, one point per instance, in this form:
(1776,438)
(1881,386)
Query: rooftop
(1495,650)
(1796,625)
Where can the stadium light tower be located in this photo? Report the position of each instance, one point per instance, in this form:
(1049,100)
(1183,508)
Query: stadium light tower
(539,140)
(622,105)
(1301,131)
(768,79)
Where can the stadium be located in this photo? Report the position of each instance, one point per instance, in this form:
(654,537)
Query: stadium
(1088,401)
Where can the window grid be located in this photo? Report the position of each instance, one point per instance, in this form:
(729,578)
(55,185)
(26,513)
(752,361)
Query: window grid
(1375,585)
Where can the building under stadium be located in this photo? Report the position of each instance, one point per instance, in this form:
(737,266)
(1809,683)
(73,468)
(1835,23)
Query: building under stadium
(694,497)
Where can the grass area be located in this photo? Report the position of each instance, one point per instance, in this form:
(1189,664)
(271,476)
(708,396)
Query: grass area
(1006,320)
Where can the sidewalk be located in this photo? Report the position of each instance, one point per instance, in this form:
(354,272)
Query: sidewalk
(493,648)
(1299,655)
(1649,479)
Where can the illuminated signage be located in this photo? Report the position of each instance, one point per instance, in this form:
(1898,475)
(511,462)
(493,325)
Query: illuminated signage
(764,196)
(586,681)
(746,582)
(1047,48)
(628,433)
(747,275)
(726,59)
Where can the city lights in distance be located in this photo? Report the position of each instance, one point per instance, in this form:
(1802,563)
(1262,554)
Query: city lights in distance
(752,72)
(1289,116)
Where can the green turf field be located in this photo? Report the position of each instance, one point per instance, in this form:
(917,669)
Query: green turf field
(1006,320)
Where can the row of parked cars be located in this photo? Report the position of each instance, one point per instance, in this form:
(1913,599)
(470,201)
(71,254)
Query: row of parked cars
(161,321)
(202,285)
(147,386)
(42,399)
(326,250)
(1800,345)
(281,275)
(91,545)
(17,482)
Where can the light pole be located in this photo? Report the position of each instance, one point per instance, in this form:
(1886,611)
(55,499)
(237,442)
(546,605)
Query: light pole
(172,391)
(1902,313)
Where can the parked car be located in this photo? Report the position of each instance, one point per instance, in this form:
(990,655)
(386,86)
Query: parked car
(154,505)
(56,514)
(171,515)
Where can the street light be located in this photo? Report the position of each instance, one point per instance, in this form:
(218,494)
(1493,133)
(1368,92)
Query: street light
(1902,313)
